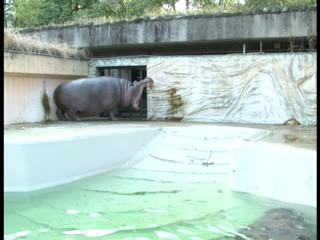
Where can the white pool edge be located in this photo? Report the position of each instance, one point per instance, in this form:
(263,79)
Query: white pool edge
(270,170)
(275,171)
(36,165)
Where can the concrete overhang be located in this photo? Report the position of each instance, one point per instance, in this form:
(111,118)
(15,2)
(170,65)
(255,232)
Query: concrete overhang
(185,30)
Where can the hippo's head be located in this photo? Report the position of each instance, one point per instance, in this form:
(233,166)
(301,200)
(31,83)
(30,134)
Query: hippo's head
(137,88)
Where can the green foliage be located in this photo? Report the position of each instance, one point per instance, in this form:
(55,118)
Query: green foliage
(60,11)
(128,9)
(203,3)
(298,3)
(253,4)
(270,4)
(9,14)
(33,13)
(226,5)
(27,12)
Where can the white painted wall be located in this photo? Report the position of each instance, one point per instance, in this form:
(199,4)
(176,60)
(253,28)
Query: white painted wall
(22,98)
(37,163)
(275,171)
(26,77)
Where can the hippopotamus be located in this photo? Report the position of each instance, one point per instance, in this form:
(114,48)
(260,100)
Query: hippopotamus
(90,97)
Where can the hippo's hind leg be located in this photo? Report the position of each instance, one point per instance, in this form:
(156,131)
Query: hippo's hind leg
(61,115)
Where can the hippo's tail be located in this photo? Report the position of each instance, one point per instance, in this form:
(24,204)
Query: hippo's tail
(55,97)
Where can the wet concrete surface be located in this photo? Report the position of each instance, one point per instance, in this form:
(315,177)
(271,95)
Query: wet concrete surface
(292,135)
(279,224)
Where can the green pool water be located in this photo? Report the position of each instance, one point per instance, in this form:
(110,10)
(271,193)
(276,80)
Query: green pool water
(136,204)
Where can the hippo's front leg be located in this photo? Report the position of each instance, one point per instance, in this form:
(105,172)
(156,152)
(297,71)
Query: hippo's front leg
(113,114)
(61,115)
(71,116)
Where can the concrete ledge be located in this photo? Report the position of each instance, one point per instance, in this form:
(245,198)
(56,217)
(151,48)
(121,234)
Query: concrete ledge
(275,171)
(32,165)
(189,29)
(22,63)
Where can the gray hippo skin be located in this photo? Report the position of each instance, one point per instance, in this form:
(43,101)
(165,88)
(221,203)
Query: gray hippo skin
(89,97)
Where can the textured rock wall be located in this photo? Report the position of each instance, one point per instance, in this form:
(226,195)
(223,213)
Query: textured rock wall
(252,88)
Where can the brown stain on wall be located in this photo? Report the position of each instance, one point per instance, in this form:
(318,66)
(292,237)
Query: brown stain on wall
(176,104)
(45,100)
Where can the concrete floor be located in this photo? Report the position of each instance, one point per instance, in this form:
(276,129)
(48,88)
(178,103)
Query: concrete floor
(297,136)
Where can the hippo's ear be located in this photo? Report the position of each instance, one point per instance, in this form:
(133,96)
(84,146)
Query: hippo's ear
(148,79)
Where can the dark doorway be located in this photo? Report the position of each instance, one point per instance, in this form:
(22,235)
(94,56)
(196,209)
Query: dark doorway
(132,74)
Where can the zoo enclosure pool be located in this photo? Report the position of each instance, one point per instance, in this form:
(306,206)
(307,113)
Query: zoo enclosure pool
(211,157)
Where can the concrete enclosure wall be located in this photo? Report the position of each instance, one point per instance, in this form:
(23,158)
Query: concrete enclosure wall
(27,77)
(239,88)
(187,29)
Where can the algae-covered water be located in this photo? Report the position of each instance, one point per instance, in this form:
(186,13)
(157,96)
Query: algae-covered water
(136,204)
